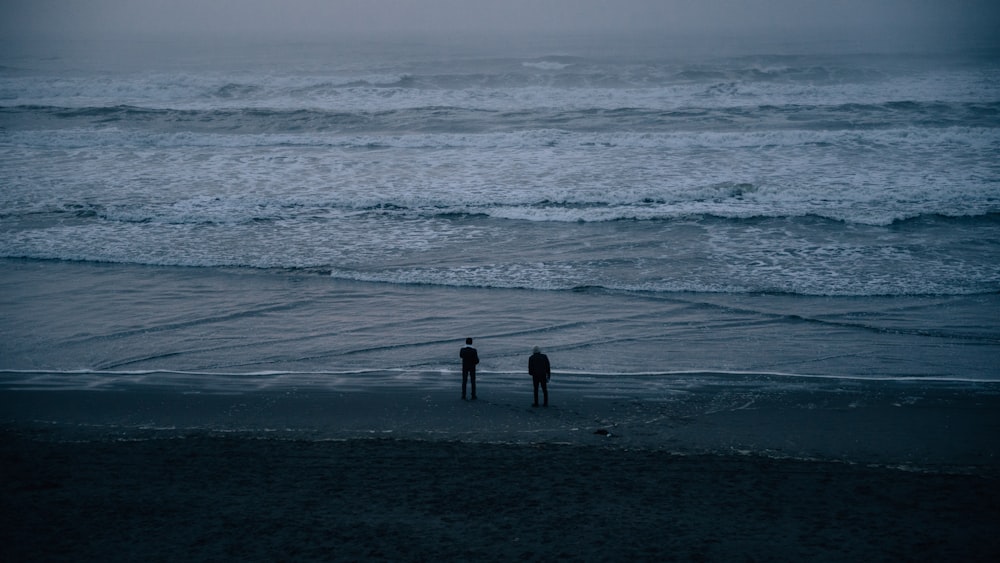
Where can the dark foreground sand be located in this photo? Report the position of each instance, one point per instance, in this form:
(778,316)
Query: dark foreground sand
(211,497)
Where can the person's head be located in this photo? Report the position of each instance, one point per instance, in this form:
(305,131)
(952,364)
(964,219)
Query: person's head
(468,341)
(536,350)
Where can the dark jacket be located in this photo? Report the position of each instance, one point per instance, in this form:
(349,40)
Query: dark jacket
(469,358)
(538,365)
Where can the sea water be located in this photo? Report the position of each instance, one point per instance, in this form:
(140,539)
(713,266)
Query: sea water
(638,209)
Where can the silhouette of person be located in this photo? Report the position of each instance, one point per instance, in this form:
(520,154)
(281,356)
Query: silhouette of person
(469,360)
(538,367)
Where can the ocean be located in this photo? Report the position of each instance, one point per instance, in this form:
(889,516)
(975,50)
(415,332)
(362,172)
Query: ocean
(219,218)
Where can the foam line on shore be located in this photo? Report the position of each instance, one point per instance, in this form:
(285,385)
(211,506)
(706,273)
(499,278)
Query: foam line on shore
(451,371)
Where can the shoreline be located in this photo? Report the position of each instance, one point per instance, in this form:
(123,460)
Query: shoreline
(210,497)
(215,442)
(941,428)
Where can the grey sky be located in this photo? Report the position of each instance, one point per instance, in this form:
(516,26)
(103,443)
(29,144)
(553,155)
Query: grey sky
(87,18)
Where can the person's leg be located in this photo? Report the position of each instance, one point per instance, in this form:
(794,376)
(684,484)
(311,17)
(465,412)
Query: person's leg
(534,383)
(472,379)
(545,391)
(465,379)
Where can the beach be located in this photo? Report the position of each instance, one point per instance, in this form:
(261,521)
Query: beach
(161,417)
(201,497)
(170,413)
(706,467)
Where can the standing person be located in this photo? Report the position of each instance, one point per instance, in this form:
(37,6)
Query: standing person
(469,360)
(538,367)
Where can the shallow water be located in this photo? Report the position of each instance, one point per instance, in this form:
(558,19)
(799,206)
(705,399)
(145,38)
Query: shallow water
(77,316)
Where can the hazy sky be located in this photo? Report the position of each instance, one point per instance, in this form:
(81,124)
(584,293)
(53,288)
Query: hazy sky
(307,18)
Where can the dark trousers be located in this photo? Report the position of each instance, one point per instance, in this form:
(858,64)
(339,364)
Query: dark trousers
(469,374)
(543,381)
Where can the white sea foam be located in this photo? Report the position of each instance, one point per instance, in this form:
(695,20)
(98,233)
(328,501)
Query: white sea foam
(819,175)
(545,65)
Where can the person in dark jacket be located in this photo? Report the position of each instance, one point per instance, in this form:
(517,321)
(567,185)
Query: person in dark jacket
(538,367)
(469,360)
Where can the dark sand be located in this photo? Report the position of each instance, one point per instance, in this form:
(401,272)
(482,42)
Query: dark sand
(214,497)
